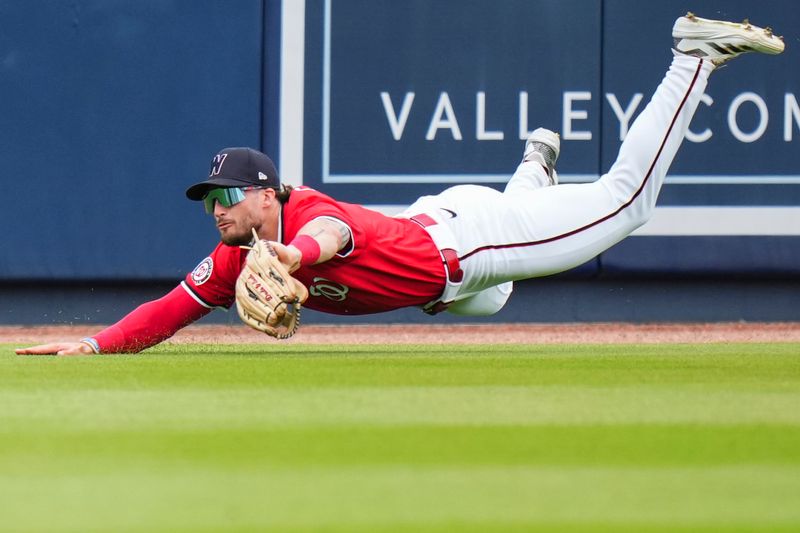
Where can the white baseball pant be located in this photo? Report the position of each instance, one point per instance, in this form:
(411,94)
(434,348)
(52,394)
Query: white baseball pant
(532,230)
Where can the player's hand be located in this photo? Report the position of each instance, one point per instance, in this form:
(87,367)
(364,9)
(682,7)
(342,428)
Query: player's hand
(289,256)
(56,348)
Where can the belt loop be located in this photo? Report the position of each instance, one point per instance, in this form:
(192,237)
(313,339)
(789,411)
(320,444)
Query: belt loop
(424,220)
(454,272)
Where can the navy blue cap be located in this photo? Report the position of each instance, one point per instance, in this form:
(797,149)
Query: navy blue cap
(237,167)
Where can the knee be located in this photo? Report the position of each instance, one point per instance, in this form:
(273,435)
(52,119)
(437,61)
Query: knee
(626,189)
(487,302)
(641,212)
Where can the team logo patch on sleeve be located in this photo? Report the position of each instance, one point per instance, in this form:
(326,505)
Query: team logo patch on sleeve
(202,272)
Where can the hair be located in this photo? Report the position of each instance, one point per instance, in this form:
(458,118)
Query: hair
(283,193)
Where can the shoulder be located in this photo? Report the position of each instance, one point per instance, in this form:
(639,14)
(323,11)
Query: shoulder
(305,204)
(225,261)
(212,281)
(302,195)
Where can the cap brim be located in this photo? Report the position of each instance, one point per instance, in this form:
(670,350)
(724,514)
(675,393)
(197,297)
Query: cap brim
(198,190)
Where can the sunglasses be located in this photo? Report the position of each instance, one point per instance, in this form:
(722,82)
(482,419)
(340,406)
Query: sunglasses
(226,196)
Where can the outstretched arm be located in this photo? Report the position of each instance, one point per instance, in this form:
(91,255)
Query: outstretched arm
(145,326)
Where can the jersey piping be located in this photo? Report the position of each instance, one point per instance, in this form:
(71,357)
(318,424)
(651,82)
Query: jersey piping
(614,213)
(197,297)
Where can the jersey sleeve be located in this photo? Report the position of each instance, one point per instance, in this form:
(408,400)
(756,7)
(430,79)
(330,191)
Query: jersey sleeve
(151,323)
(307,205)
(212,283)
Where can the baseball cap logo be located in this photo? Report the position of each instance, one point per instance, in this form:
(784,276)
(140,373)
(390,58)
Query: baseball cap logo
(216,164)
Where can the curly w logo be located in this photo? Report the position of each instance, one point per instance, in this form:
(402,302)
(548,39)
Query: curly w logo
(329,289)
(216,164)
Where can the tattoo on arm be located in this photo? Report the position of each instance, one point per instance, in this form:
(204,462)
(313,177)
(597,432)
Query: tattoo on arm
(342,230)
(344,234)
(334,228)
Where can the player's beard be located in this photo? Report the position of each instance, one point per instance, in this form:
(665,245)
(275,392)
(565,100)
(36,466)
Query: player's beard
(238,233)
(236,240)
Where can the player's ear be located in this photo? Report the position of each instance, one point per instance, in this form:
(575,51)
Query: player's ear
(268,197)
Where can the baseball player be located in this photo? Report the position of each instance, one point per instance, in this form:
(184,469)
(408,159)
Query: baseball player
(458,251)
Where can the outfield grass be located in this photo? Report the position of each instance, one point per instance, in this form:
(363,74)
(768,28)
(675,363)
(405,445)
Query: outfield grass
(283,437)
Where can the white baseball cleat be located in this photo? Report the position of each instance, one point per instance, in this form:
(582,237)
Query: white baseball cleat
(543,146)
(719,41)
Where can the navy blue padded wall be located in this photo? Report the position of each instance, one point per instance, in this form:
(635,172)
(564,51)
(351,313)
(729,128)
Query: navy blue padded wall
(109,109)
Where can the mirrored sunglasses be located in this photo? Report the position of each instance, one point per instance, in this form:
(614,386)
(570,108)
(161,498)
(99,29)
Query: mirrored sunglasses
(226,197)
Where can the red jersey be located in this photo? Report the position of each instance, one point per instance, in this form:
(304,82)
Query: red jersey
(389,263)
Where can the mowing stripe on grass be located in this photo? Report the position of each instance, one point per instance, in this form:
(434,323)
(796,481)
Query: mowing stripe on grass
(285,437)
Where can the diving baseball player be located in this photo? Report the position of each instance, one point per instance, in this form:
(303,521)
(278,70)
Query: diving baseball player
(459,251)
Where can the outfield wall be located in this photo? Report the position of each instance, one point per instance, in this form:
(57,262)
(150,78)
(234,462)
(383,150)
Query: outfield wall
(111,108)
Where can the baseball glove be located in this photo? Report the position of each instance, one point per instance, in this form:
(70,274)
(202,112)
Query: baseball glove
(268,298)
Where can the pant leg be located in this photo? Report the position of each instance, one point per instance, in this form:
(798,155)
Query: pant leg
(506,237)
(529,176)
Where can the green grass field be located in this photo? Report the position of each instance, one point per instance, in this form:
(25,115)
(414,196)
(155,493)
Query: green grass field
(281,437)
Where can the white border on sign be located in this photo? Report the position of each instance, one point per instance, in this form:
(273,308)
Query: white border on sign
(292,83)
(722,221)
(702,221)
